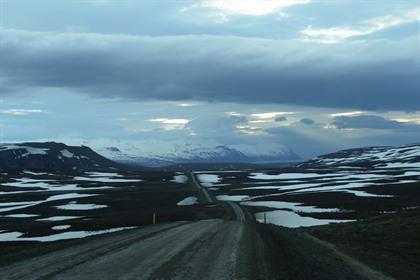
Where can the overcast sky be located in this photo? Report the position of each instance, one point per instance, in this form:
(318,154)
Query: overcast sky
(314,76)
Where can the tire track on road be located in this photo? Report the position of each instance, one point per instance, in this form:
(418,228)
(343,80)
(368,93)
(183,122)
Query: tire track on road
(49,265)
(142,259)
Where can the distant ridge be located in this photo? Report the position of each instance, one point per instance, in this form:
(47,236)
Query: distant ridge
(52,156)
(220,166)
(405,156)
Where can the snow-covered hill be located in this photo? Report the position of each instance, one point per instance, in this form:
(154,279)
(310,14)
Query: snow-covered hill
(51,156)
(380,157)
(164,154)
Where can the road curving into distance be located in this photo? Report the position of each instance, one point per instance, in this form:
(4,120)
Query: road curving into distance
(205,196)
(234,248)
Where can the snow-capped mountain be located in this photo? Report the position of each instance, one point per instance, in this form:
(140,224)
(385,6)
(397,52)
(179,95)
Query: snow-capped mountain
(189,153)
(381,157)
(51,156)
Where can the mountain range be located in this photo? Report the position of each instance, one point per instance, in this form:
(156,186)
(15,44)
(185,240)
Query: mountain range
(58,156)
(188,154)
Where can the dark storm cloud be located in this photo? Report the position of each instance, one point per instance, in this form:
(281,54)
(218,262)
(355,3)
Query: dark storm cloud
(371,122)
(377,75)
(280,119)
(307,121)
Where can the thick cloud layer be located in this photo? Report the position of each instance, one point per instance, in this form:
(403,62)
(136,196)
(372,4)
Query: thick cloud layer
(371,122)
(307,121)
(380,74)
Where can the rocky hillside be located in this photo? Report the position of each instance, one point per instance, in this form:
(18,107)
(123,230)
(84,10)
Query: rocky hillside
(52,156)
(380,157)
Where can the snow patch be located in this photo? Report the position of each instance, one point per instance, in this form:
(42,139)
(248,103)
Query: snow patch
(75,206)
(21,215)
(191,200)
(105,179)
(65,153)
(288,176)
(17,236)
(232,197)
(61,227)
(59,218)
(208,180)
(182,179)
(25,204)
(34,173)
(29,150)
(292,220)
(103,174)
(296,207)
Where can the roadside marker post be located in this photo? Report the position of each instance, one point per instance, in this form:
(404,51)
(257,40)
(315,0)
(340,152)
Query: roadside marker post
(265,218)
(154,218)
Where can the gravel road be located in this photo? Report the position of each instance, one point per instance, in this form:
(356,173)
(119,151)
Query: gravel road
(233,248)
(208,249)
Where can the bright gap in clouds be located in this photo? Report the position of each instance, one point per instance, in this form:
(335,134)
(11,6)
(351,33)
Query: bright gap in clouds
(171,124)
(340,33)
(270,115)
(187,104)
(346,114)
(407,120)
(247,8)
(20,112)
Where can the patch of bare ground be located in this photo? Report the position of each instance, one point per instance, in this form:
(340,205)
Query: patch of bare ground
(389,243)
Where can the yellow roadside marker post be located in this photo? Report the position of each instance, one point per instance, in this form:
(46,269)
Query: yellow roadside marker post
(154,218)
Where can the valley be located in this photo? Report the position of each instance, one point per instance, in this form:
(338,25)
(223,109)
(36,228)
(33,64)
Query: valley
(285,215)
